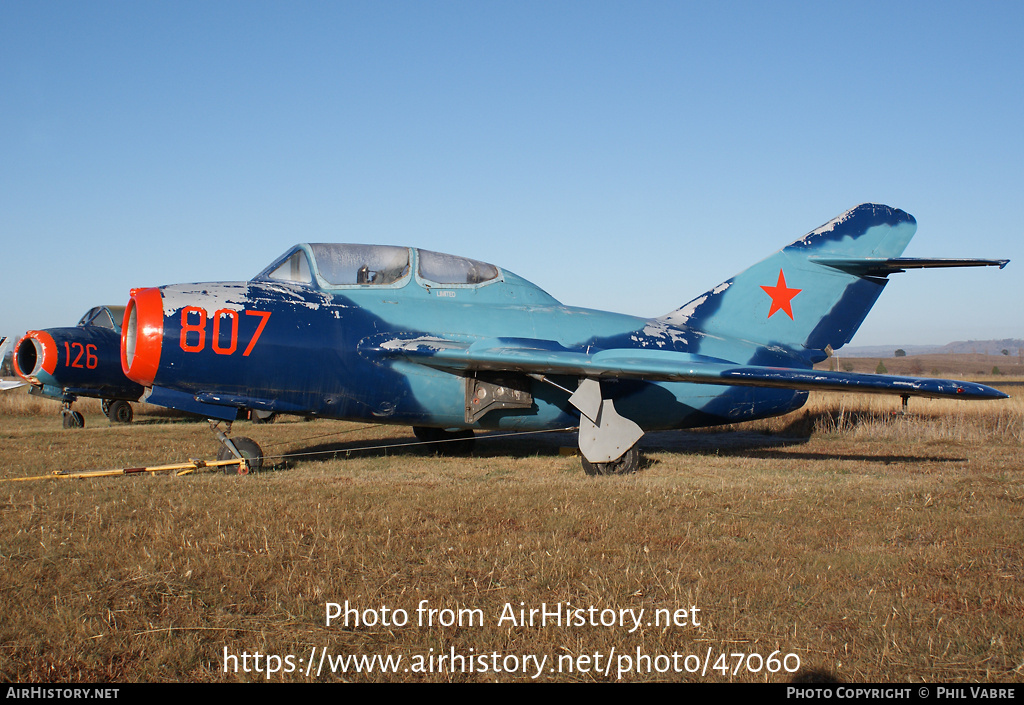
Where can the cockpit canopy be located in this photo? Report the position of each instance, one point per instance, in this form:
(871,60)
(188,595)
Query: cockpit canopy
(337,265)
(341,265)
(449,269)
(104,317)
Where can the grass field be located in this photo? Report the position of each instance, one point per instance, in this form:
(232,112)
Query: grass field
(844,541)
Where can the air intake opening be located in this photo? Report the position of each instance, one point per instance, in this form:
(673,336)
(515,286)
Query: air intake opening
(27,357)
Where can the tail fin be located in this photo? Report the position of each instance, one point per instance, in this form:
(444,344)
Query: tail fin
(798,299)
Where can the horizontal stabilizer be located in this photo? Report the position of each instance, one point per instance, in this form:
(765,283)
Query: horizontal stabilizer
(814,293)
(549,358)
(880,266)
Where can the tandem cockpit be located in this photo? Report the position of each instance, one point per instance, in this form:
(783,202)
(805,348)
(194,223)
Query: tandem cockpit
(104,317)
(330,266)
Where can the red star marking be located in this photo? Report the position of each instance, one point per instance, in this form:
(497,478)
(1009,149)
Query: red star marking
(781,296)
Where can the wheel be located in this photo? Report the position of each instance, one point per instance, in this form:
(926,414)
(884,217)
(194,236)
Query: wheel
(446,442)
(628,463)
(249,449)
(73,419)
(120,412)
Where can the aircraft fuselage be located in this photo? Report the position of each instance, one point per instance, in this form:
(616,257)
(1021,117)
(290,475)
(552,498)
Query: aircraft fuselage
(301,349)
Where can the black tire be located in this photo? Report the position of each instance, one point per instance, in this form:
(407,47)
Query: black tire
(446,442)
(625,465)
(73,419)
(120,411)
(249,449)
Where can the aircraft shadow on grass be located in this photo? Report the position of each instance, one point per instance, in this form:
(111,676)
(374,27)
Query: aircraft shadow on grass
(729,443)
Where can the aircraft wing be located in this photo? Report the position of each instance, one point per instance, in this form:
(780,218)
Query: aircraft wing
(546,357)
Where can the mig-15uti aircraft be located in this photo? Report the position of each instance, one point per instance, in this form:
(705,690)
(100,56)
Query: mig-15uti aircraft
(80,361)
(449,345)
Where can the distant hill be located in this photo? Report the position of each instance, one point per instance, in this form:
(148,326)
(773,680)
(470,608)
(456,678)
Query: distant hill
(1013,346)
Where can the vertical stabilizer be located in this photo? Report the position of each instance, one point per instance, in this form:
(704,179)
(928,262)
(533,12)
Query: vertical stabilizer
(793,302)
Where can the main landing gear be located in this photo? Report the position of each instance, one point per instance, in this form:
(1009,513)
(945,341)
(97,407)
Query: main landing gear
(241,448)
(628,463)
(118,410)
(607,439)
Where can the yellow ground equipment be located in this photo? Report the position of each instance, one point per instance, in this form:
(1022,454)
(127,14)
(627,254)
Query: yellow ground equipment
(186,468)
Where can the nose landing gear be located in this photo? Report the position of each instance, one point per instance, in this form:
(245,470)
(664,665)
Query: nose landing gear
(71,418)
(241,448)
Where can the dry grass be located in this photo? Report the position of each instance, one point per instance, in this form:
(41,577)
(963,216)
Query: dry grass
(949,365)
(19,403)
(876,546)
(881,417)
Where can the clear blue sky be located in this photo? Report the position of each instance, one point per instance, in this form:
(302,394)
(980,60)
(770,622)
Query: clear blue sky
(622,155)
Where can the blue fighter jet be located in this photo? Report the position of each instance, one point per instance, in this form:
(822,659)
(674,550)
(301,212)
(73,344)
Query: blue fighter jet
(449,345)
(67,363)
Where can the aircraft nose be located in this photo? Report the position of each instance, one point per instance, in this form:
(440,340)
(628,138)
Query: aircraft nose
(142,334)
(36,356)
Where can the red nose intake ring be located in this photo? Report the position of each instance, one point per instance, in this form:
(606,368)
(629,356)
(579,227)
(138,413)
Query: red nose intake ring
(142,335)
(36,352)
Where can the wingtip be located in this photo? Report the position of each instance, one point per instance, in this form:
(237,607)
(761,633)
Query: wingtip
(982,391)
